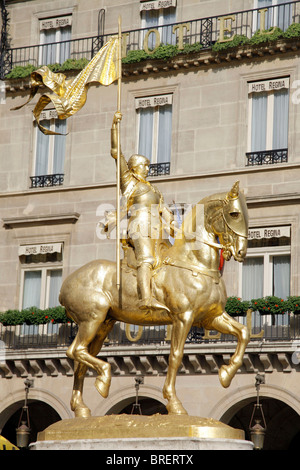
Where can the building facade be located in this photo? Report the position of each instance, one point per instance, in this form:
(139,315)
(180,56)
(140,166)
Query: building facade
(210,94)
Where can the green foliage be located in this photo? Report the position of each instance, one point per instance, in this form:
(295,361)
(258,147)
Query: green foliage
(267,36)
(270,305)
(69,64)
(163,52)
(34,316)
(236,307)
(293,304)
(21,71)
(293,31)
(238,40)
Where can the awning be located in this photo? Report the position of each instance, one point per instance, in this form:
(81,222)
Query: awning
(269,232)
(152,101)
(55,23)
(157,4)
(41,249)
(268,85)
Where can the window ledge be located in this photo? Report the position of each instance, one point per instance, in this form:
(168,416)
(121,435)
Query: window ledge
(16,222)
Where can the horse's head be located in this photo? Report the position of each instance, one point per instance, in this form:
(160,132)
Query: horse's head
(229,222)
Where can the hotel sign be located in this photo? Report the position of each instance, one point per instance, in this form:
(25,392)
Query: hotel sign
(225,27)
(157,5)
(42,249)
(152,101)
(269,232)
(268,85)
(54,23)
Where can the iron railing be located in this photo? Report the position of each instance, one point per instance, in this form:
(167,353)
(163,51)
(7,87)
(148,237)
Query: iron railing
(267,157)
(44,181)
(159,169)
(278,328)
(205,31)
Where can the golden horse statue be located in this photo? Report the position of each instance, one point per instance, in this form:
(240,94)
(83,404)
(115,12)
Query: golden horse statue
(187,281)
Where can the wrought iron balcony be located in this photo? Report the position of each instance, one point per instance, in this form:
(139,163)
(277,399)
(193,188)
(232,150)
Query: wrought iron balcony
(43,181)
(267,157)
(205,31)
(159,169)
(282,328)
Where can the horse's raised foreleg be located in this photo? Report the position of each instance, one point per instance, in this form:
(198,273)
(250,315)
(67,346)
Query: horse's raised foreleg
(181,327)
(84,354)
(226,324)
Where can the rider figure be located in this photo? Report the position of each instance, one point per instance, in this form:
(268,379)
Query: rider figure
(145,208)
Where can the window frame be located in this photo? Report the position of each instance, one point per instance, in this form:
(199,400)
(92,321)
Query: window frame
(155,129)
(51,145)
(45,269)
(58,36)
(270,114)
(268,254)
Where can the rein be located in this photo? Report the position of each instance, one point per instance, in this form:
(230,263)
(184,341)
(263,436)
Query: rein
(213,273)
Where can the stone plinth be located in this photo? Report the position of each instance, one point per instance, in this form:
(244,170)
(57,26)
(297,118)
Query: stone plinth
(135,432)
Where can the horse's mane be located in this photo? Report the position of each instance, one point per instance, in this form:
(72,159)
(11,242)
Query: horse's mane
(194,219)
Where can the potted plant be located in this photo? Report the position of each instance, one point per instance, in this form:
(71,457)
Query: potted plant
(236,307)
(270,305)
(293,304)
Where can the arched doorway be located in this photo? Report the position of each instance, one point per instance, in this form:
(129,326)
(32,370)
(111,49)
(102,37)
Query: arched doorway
(41,415)
(283,423)
(148,406)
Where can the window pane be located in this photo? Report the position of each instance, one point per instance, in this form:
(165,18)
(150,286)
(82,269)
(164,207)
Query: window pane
(284,15)
(268,15)
(32,289)
(259,122)
(281,120)
(164,134)
(253,278)
(42,151)
(146,132)
(169,17)
(59,147)
(49,51)
(55,285)
(64,48)
(281,276)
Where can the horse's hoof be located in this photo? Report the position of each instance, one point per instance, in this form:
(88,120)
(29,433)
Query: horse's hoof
(82,412)
(224,377)
(102,384)
(176,409)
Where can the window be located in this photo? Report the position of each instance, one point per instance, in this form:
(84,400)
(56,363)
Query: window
(158,15)
(41,278)
(53,33)
(41,275)
(279,13)
(155,130)
(266,269)
(49,152)
(268,121)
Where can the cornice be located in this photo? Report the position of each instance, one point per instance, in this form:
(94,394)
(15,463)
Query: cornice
(198,359)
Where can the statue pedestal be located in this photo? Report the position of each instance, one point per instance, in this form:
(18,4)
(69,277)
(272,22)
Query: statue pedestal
(135,432)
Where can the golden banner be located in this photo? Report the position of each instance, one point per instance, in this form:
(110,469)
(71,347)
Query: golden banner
(69,96)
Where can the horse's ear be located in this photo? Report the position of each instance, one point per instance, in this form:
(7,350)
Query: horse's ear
(234,192)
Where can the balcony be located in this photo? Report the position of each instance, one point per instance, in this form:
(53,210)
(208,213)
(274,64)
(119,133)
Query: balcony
(45,181)
(268,157)
(159,169)
(282,328)
(205,32)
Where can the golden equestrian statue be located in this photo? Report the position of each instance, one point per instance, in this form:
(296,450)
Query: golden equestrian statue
(186,286)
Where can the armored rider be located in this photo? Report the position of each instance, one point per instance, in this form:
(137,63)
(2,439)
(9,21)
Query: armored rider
(145,207)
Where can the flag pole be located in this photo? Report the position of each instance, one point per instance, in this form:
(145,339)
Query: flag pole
(119,152)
